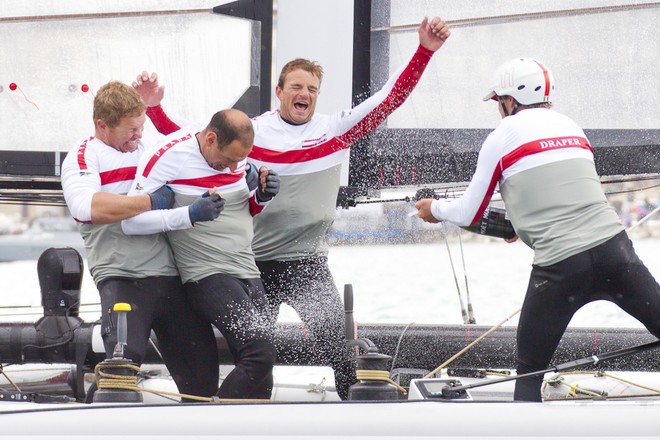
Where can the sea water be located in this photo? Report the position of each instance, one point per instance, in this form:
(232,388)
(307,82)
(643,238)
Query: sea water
(391,283)
(416,283)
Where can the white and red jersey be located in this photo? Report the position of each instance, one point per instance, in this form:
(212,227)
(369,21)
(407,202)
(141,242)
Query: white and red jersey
(324,141)
(544,166)
(219,246)
(308,158)
(93,167)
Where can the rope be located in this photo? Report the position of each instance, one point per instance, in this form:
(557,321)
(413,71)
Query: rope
(105,380)
(378,376)
(627,396)
(574,388)
(470,345)
(2,370)
(119,381)
(629,382)
(646,217)
(497,19)
(398,345)
(470,311)
(464,314)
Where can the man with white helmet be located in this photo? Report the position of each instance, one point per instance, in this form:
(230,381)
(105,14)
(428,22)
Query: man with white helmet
(544,165)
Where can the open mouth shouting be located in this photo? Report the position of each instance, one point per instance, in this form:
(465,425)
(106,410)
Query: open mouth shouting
(298,96)
(301,107)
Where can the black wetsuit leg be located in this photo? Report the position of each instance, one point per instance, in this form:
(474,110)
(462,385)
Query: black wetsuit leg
(308,287)
(610,271)
(186,342)
(238,309)
(622,278)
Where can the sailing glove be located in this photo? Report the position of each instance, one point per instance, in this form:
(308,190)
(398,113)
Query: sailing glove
(162,198)
(251,176)
(206,208)
(271,188)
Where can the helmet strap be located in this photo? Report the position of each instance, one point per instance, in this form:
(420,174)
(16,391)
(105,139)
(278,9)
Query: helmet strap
(515,108)
(503,105)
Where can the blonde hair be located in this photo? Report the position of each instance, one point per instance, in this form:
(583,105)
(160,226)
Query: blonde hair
(116,100)
(300,63)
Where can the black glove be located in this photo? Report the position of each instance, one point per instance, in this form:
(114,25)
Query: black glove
(206,208)
(162,198)
(425,193)
(272,187)
(251,176)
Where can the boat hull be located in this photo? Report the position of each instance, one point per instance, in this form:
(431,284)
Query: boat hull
(345,420)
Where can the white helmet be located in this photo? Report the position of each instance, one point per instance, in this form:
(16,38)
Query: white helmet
(526,80)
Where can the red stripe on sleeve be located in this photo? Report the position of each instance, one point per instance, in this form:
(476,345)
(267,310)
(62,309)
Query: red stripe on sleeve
(81,154)
(255,208)
(489,192)
(403,87)
(161,121)
(158,154)
(400,91)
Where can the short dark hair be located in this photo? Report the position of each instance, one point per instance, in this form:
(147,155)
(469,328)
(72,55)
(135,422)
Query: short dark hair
(536,105)
(230,125)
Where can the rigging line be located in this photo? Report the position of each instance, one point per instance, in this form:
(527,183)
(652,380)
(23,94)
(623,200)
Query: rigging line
(458,289)
(500,19)
(561,379)
(470,311)
(631,178)
(471,344)
(153,344)
(104,15)
(398,345)
(29,306)
(21,314)
(577,398)
(609,193)
(646,217)
(11,382)
(449,390)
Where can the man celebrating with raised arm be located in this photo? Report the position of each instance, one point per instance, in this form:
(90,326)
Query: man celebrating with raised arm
(307,150)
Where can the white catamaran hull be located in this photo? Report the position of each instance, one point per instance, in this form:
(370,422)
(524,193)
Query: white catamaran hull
(404,419)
